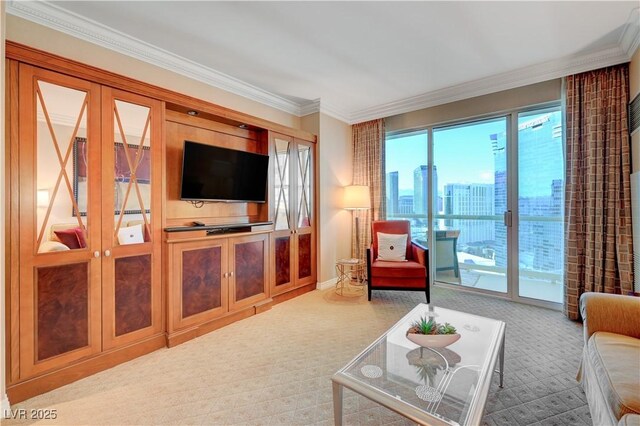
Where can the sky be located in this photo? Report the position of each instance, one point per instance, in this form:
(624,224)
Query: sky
(464,154)
(461,154)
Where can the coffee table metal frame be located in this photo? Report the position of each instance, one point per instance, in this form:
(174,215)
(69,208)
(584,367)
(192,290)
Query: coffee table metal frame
(476,409)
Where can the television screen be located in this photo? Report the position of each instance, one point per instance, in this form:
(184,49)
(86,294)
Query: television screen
(212,173)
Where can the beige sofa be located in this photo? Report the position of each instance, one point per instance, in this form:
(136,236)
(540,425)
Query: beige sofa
(610,370)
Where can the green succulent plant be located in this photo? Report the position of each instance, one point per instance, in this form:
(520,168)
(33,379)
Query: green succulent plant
(446,328)
(428,325)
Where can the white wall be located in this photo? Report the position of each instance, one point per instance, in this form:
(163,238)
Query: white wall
(336,171)
(547,91)
(4,403)
(334,164)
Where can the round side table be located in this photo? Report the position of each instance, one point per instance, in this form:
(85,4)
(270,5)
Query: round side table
(351,277)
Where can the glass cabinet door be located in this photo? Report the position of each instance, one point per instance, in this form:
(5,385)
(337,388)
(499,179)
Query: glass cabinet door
(282,245)
(305,270)
(131,264)
(59,219)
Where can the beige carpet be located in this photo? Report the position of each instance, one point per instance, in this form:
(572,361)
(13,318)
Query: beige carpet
(275,368)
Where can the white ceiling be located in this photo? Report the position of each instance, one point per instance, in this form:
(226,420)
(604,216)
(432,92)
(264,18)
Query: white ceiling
(356,60)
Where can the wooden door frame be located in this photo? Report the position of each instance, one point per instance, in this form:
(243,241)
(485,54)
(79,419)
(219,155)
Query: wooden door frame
(30,260)
(109,241)
(176,321)
(235,305)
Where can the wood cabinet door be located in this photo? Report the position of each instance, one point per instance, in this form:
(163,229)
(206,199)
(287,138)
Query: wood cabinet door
(59,300)
(305,244)
(198,271)
(282,242)
(248,270)
(132,149)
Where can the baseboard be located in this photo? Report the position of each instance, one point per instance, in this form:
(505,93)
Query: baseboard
(327,284)
(5,408)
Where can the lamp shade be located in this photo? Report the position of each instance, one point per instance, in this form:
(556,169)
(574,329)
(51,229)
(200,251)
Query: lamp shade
(356,197)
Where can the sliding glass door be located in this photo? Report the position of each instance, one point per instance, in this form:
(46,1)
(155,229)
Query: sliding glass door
(493,191)
(470,174)
(540,205)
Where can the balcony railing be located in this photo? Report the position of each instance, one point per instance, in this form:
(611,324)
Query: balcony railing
(528,272)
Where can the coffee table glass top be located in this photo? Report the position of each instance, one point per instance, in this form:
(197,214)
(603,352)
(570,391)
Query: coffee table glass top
(440,385)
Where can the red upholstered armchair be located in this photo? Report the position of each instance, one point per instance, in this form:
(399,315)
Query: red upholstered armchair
(411,275)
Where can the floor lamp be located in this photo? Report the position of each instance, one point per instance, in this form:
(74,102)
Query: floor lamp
(356,197)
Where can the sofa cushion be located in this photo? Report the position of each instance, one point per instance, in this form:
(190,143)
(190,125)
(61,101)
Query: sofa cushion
(409,269)
(630,420)
(615,359)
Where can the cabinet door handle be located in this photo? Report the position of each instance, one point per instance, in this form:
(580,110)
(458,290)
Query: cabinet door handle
(231,274)
(107,253)
(225,275)
(96,254)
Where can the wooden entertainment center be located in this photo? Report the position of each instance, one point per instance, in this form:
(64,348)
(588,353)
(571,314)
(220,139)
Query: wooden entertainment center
(103,261)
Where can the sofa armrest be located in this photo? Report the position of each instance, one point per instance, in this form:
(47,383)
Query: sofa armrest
(613,313)
(419,253)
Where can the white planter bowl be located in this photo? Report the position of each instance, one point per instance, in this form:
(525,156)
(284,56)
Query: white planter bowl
(433,340)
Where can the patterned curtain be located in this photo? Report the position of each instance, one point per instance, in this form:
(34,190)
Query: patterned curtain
(598,196)
(368,169)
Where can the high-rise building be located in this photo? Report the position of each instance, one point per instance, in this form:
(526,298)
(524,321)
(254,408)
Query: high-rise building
(405,204)
(420,194)
(475,199)
(392,193)
(420,189)
(499,146)
(540,242)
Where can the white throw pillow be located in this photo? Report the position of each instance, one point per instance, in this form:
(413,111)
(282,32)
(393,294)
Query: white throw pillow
(130,235)
(392,247)
(49,246)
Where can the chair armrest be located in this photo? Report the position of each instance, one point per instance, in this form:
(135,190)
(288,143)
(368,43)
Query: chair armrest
(613,313)
(419,253)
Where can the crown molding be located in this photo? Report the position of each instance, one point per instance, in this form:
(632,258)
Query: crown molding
(318,105)
(336,112)
(57,18)
(45,13)
(544,71)
(630,38)
(310,107)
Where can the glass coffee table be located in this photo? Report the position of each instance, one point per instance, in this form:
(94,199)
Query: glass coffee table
(434,386)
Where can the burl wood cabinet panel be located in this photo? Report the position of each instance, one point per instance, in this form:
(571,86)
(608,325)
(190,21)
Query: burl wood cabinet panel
(133,293)
(249,270)
(283,260)
(62,309)
(201,280)
(197,287)
(304,256)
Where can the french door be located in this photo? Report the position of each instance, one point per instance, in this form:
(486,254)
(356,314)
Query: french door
(492,191)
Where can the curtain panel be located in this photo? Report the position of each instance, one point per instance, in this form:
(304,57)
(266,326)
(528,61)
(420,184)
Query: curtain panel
(368,169)
(598,239)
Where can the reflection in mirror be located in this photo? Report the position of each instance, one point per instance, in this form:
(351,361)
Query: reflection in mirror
(282,184)
(61,118)
(304,186)
(132,171)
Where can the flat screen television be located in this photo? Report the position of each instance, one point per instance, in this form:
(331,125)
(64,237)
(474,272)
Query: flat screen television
(212,173)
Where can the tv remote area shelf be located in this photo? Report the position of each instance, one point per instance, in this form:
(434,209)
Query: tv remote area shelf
(231,228)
